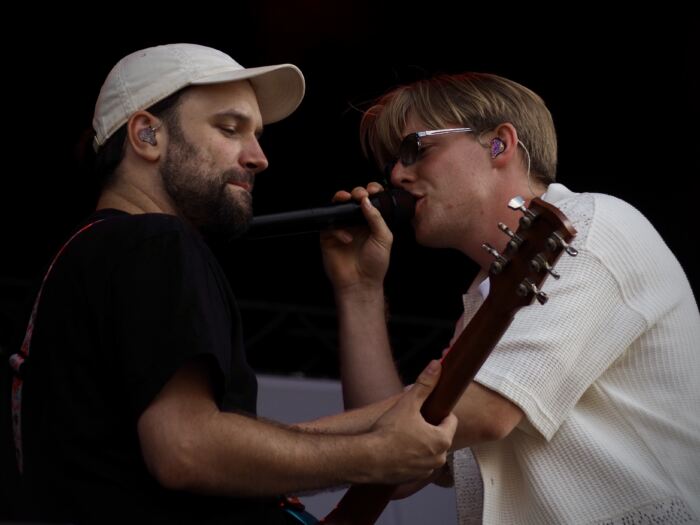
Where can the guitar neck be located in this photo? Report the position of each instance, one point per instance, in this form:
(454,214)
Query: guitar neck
(464,360)
(363,504)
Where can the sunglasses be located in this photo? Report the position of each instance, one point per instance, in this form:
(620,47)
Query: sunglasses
(411,147)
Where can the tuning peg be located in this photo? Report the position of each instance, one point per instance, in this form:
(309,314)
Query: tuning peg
(527,286)
(518,203)
(515,239)
(556,240)
(499,263)
(539,263)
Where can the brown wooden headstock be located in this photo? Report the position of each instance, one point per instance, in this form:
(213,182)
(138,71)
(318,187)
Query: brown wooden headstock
(529,257)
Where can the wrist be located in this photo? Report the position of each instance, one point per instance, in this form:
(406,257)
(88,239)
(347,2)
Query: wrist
(360,464)
(360,293)
(445,475)
(372,468)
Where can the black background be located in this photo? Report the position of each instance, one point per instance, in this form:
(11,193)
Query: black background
(622,89)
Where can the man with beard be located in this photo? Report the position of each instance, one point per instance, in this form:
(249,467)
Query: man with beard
(133,399)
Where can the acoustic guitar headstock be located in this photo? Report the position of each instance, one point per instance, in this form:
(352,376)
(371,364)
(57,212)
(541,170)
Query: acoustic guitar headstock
(517,273)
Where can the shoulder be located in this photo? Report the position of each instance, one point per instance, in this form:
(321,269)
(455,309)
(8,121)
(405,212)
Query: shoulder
(116,239)
(124,231)
(604,222)
(616,239)
(140,226)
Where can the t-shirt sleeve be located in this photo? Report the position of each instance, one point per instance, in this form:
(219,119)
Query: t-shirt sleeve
(167,309)
(552,353)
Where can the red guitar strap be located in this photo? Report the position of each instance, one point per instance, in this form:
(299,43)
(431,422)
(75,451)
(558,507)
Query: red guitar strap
(17,359)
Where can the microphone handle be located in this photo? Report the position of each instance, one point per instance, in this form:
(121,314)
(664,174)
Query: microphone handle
(396,207)
(305,221)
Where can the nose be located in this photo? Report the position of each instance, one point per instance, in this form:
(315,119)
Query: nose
(400,175)
(252,157)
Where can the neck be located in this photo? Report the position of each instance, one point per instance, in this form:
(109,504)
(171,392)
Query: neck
(134,196)
(487,230)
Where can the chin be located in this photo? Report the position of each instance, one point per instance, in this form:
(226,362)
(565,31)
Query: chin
(429,237)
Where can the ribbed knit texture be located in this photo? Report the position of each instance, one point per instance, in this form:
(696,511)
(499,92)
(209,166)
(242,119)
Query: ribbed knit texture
(607,374)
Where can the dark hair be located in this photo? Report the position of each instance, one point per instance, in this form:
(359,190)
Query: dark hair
(110,155)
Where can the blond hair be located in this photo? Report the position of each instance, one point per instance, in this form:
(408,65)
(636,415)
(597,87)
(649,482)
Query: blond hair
(480,101)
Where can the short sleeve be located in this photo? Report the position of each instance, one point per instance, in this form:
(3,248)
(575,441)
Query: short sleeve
(167,308)
(552,353)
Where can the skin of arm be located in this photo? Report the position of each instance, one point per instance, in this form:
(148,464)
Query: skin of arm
(189,444)
(355,421)
(356,262)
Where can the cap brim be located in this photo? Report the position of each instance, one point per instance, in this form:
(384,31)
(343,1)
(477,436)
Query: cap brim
(279,89)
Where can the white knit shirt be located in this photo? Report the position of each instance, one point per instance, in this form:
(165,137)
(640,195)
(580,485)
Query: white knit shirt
(607,373)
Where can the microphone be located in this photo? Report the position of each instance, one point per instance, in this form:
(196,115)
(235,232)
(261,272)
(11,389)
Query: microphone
(396,206)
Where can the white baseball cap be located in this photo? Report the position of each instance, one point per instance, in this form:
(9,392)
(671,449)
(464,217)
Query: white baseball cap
(145,77)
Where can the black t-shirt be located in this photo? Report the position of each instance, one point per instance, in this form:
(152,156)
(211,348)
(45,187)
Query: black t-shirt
(129,301)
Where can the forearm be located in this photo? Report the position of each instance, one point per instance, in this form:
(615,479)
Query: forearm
(367,366)
(351,421)
(189,444)
(483,415)
(276,459)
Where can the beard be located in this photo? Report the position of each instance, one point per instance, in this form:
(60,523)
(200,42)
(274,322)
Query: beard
(201,194)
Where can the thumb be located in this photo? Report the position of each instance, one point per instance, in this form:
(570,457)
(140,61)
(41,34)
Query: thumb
(427,380)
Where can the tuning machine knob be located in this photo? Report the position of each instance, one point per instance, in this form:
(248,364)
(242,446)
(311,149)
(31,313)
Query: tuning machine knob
(515,239)
(555,240)
(499,263)
(518,203)
(527,286)
(539,263)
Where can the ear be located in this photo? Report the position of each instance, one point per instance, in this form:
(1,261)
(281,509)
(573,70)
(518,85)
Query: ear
(503,145)
(145,135)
